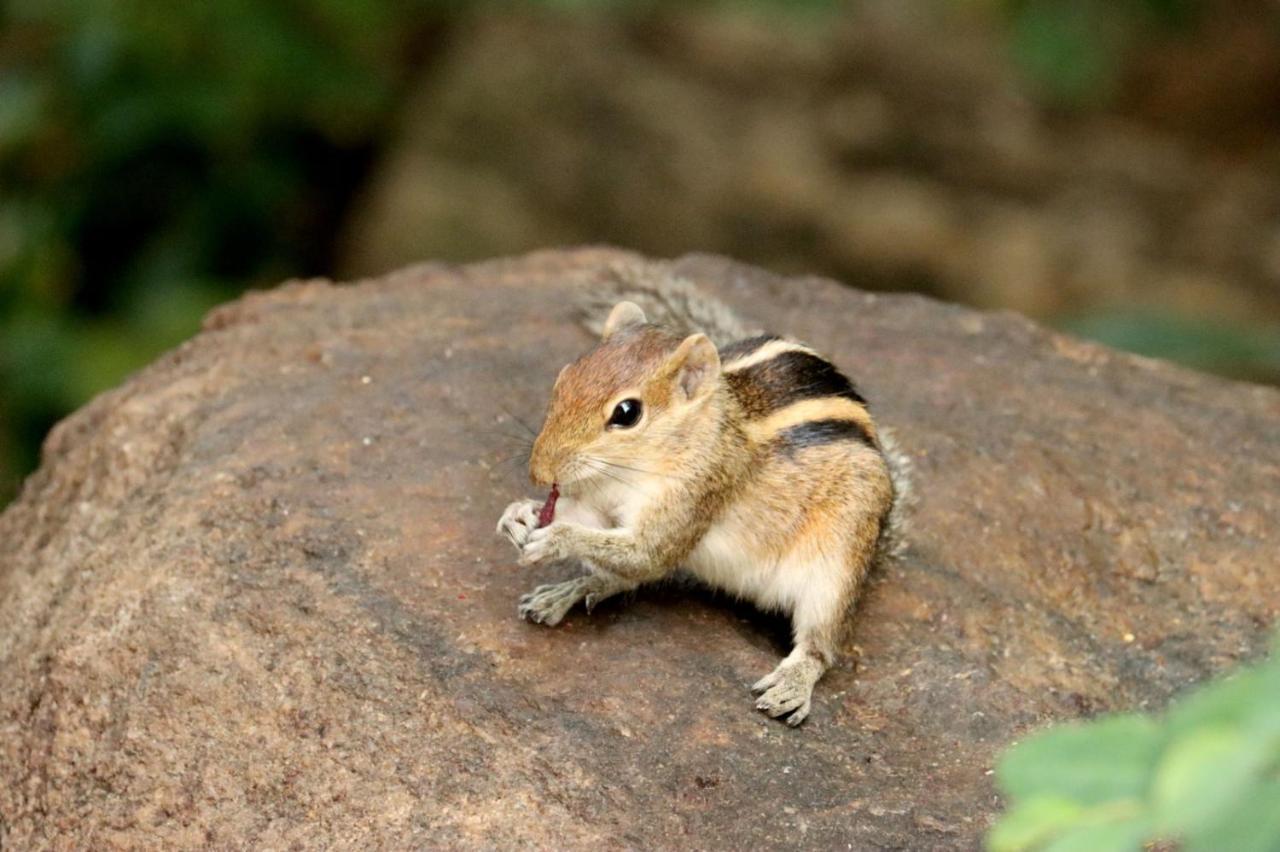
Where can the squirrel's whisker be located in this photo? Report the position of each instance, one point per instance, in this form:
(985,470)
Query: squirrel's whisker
(643,470)
(521,440)
(521,459)
(532,432)
(603,471)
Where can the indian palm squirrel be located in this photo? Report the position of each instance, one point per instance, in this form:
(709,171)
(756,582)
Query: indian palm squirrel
(686,440)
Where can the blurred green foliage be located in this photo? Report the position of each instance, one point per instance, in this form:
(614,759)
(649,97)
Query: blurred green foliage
(158,157)
(1206,775)
(1231,350)
(1073,50)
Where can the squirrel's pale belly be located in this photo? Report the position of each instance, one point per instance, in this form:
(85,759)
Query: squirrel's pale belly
(731,557)
(725,559)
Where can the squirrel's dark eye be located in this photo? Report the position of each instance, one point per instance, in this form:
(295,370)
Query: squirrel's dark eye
(625,414)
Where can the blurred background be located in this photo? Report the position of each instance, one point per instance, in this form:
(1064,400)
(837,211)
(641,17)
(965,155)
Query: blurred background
(1109,167)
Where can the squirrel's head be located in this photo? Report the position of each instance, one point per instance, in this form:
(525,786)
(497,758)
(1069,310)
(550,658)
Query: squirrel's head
(623,409)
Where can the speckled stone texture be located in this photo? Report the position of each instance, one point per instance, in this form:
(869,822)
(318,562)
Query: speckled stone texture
(253,598)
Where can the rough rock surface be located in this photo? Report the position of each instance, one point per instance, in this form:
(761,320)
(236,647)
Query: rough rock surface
(254,598)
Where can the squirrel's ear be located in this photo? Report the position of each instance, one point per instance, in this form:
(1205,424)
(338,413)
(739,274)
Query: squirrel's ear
(623,315)
(695,366)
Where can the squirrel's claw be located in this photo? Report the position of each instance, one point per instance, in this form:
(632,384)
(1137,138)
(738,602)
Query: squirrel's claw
(545,545)
(518,521)
(549,604)
(787,691)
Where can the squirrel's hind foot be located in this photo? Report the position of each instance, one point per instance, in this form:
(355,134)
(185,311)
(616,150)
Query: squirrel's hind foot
(788,690)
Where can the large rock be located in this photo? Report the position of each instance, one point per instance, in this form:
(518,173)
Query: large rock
(254,598)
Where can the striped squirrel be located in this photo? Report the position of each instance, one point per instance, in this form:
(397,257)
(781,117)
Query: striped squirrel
(684,439)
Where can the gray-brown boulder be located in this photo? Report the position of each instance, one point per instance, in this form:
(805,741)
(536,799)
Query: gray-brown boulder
(253,597)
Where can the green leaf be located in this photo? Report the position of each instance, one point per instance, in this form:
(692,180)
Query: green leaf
(1249,701)
(1099,762)
(1200,775)
(1222,704)
(1251,824)
(1031,823)
(1119,836)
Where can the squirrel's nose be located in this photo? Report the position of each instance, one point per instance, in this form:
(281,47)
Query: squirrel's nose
(542,465)
(541,475)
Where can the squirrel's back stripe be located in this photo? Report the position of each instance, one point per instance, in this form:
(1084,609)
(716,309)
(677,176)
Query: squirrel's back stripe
(796,374)
(756,350)
(826,409)
(815,432)
(742,348)
(792,397)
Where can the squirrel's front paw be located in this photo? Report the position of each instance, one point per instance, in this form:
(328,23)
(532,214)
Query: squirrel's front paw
(546,545)
(518,521)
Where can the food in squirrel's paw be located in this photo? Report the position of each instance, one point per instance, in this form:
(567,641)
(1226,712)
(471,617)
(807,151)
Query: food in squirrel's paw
(547,513)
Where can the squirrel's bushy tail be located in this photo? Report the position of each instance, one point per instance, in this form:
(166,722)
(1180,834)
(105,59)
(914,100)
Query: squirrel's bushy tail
(666,299)
(674,302)
(893,529)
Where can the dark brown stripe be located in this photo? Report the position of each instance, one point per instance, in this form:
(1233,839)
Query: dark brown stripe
(790,377)
(815,432)
(742,348)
